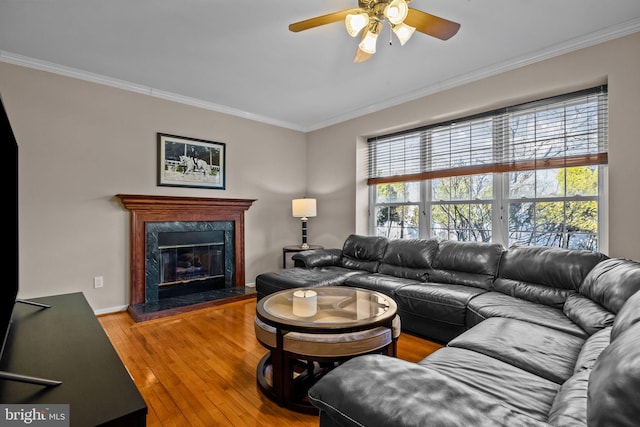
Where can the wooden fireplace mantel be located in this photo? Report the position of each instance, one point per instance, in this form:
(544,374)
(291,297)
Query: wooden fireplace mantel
(145,208)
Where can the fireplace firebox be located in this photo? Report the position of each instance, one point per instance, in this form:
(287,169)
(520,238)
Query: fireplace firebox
(184,246)
(190,261)
(185,257)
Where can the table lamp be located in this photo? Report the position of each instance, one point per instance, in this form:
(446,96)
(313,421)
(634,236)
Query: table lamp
(303,209)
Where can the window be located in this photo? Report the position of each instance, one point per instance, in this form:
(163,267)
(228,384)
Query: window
(529,174)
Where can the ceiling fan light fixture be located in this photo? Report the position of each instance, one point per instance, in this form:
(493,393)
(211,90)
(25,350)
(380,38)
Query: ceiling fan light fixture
(403,32)
(356,22)
(396,11)
(368,43)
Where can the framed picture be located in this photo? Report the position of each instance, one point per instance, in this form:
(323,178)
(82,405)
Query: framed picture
(190,162)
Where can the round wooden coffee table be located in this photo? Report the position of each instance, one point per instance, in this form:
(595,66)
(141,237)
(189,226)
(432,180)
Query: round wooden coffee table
(302,347)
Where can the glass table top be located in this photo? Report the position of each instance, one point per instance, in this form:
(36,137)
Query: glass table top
(327,307)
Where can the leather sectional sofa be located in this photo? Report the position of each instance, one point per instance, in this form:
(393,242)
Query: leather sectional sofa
(534,335)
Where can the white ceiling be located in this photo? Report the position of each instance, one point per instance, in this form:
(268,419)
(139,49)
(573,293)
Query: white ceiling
(238,56)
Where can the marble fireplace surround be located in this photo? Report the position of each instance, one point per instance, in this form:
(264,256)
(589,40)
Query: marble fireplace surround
(147,208)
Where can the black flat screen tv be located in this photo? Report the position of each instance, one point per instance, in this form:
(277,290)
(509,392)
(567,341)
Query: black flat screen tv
(9,287)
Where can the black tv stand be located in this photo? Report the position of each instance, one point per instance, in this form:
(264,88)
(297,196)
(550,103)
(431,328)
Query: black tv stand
(26,378)
(68,343)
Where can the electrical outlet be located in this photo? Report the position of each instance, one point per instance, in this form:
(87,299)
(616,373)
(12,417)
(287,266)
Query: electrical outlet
(98,282)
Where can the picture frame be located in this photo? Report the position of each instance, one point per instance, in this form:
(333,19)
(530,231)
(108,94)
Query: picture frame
(191,162)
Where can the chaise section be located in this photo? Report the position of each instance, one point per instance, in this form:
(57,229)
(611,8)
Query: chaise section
(496,380)
(377,390)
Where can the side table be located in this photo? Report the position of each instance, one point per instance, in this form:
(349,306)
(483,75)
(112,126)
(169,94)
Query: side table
(295,248)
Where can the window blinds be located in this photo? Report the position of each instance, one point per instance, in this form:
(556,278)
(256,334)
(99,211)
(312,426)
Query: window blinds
(564,131)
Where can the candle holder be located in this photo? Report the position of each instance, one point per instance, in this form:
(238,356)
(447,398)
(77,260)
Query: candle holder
(305,303)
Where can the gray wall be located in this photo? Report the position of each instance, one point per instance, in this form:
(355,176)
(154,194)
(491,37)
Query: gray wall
(337,174)
(81,143)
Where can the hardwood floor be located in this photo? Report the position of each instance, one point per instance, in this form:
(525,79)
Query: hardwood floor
(198,368)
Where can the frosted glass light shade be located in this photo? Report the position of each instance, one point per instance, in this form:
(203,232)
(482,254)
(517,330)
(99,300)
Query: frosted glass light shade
(396,11)
(368,43)
(403,32)
(355,23)
(303,208)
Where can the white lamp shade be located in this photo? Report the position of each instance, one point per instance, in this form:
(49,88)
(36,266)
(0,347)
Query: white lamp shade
(303,208)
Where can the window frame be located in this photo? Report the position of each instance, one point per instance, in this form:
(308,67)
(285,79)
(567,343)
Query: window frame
(500,199)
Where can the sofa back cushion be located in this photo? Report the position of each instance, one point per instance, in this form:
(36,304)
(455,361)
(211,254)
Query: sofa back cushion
(628,316)
(466,263)
(587,314)
(545,275)
(409,258)
(363,252)
(613,397)
(612,282)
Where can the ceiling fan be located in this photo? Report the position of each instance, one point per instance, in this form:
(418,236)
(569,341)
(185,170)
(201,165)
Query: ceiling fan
(371,14)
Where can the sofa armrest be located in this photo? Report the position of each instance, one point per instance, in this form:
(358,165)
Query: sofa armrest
(317,258)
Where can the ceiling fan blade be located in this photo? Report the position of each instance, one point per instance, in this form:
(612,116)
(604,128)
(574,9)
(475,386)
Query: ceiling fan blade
(321,20)
(431,25)
(361,56)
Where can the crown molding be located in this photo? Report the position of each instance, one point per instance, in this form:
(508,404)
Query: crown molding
(37,64)
(591,39)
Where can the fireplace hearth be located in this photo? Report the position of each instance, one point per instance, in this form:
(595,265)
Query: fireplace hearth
(186,253)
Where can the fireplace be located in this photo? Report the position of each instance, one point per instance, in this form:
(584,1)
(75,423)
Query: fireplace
(188,257)
(184,246)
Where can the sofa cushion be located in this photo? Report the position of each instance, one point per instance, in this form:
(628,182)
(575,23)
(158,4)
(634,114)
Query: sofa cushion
(541,294)
(466,263)
(496,304)
(548,266)
(612,282)
(409,258)
(614,383)
(496,380)
(379,390)
(628,316)
(591,350)
(379,282)
(570,405)
(363,252)
(589,315)
(268,283)
(317,258)
(543,351)
(443,302)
